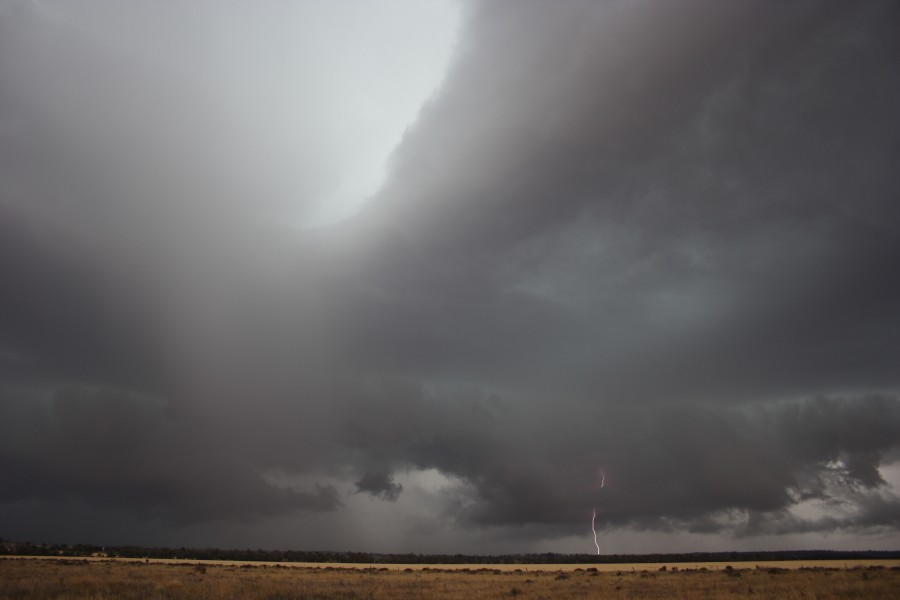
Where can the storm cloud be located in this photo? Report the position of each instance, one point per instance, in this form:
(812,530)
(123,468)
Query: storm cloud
(656,241)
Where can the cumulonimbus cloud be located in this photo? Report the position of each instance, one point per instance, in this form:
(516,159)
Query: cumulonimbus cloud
(620,236)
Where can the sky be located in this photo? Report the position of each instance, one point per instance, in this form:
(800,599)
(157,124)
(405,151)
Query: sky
(449,276)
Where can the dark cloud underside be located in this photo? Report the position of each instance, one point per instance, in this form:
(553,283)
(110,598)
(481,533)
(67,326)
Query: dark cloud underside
(657,239)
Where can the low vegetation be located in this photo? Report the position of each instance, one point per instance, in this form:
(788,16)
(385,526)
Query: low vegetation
(11,548)
(82,579)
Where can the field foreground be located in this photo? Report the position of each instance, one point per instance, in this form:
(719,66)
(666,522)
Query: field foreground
(79,578)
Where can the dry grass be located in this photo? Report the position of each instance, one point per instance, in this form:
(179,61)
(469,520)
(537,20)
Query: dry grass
(95,580)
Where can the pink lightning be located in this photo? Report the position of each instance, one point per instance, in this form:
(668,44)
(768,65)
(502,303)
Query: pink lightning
(594,515)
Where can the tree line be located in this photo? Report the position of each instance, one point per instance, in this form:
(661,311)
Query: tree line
(320,556)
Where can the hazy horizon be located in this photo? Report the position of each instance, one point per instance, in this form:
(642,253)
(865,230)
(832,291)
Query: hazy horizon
(449,276)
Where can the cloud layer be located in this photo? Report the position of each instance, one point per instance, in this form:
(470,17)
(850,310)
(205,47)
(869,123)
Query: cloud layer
(657,240)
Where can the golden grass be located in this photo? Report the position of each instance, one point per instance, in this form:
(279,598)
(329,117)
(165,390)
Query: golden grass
(80,579)
(710,566)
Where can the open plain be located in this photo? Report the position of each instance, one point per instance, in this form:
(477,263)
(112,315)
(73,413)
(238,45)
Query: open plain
(77,578)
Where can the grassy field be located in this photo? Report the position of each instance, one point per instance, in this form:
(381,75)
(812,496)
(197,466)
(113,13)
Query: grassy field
(600,566)
(126,580)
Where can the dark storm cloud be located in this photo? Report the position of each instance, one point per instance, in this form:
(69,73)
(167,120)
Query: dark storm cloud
(117,449)
(708,217)
(701,192)
(664,466)
(380,484)
(657,239)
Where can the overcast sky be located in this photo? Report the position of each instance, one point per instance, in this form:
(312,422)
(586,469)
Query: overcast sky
(418,276)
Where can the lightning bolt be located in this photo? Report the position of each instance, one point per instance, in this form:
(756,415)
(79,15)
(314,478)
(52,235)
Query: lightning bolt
(594,515)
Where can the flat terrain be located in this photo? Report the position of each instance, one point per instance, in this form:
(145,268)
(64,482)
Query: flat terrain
(643,566)
(96,579)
